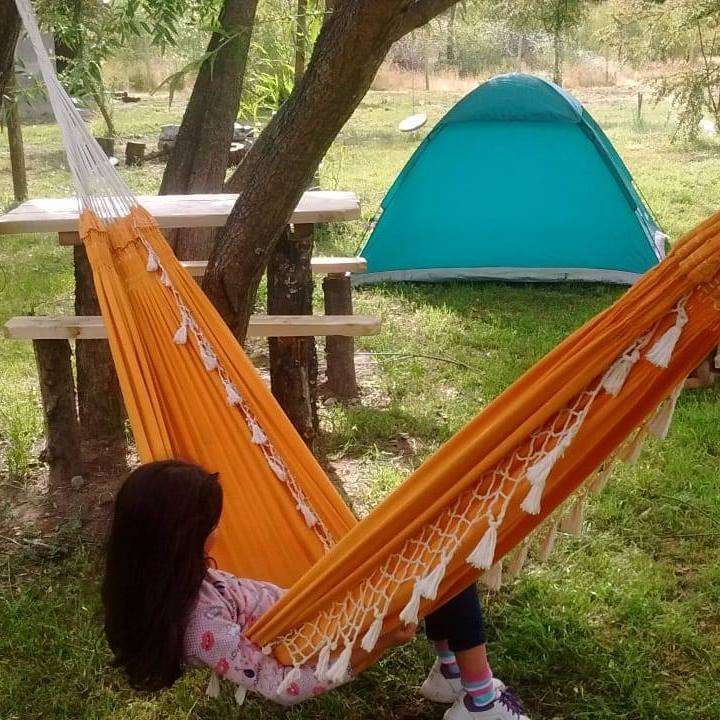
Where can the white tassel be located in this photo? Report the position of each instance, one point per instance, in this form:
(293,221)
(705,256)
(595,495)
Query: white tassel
(661,352)
(258,436)
(548,544)
(338,671)
(165,278)
(630,453)
(660,424)
(208,358)
(323,664)
(233,396)
(601,478)
(278,469)
(213,686)
(614,379)
(152,262)
(240,694)
(483,556)
(372,635)
(492,579)
(308,515)
(572,524)
(266,649)
(430,584)
(288,680)
(518,562)
(532,502)
(409,614)
(181,335)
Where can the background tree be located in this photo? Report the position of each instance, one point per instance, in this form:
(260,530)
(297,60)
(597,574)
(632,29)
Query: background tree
(10,24)
(199,159)
(351,46)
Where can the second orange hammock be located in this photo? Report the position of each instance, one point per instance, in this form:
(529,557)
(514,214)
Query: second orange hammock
(550,438)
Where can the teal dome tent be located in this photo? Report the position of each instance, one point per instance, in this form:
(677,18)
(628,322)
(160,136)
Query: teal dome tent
(516,182)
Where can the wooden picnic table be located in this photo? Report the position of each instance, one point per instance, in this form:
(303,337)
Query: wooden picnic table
(98,401)
(61,215)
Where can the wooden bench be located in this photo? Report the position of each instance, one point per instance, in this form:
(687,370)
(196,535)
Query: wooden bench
(93,402)
(73,327)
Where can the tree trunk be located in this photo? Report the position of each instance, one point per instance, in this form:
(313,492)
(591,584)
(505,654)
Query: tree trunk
(15,141)
(558,52)
(293,361)
(301,39)
(102,419)
(339,351)
(10,24)
(450,48)
(199,160)
(352,44)
(57,389)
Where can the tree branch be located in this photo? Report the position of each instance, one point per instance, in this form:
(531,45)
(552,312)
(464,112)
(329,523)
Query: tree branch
(421,12)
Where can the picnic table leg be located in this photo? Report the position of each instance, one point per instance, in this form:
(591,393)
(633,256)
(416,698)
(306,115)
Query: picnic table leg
(102,418)
(339,351)
(293,360)
(57,390)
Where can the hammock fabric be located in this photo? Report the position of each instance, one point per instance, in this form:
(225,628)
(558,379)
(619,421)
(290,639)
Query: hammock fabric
(526,462)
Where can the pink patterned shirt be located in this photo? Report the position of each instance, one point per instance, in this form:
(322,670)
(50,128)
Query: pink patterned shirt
(214,637)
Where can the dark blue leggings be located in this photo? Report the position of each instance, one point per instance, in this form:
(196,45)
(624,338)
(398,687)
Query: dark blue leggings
(459,621)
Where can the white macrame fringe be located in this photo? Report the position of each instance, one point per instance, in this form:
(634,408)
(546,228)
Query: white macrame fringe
(277,469)
(601,479)
(372,635)
(409,614)
(339,669)
(208,358)
(181,335)
(232,395)
(630,453)
(291,677)
(572,523)
(483,556)
(615,378)
(240,694)
(518,561)
(660,424)
(533,500)
(165,278)
(548,544)
(661,352)
(323,663)
(430,584)
(308,515)
(492,579)
(213,686)
(258,436)
(152,262)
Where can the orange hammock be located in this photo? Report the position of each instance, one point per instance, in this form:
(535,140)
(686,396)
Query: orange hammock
(528,460)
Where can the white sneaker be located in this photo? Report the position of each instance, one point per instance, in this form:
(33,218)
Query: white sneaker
(437,688)
(506,707)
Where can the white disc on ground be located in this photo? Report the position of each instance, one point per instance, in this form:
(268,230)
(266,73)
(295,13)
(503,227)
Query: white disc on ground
(414,122)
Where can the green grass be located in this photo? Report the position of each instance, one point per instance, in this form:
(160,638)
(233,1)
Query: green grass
(621,623)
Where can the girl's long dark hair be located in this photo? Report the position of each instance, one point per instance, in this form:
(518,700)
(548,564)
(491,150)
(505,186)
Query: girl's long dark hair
(156,562)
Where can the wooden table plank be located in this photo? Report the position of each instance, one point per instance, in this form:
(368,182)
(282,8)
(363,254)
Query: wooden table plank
(172,211)
(93,328)
(319,265)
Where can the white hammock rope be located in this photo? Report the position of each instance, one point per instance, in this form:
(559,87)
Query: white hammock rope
(423,559)
(104,193)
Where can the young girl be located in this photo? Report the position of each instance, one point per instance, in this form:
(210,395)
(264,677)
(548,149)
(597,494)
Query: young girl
(166,608)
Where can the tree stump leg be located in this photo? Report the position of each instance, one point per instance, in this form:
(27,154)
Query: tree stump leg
(134,154)
(293,361)
(57,390)
(339,351)
(101,412)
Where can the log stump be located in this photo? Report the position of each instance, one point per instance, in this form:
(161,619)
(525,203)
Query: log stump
(293,360)
(107,144)
(134,154)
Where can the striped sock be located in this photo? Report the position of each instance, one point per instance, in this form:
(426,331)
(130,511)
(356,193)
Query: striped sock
(448,665)
(479,687)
